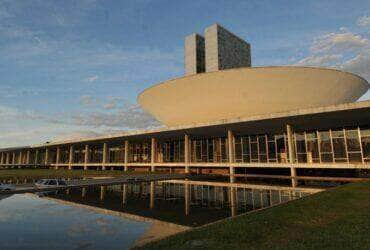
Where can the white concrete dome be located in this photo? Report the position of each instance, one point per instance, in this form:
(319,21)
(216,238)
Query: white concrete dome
(243,92)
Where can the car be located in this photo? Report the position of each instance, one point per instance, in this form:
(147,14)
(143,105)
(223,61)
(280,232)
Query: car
(6,187)
(46,183)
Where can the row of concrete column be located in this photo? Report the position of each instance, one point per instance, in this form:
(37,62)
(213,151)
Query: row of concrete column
(10,158)
(6,156)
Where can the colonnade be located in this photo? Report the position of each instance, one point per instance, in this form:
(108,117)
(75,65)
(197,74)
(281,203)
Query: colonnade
(8,158)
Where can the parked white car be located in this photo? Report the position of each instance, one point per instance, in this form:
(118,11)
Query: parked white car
(46,183)
(6,187)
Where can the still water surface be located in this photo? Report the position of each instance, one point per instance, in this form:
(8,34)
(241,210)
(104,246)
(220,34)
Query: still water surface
(57,220)
(179,202)
(30,222)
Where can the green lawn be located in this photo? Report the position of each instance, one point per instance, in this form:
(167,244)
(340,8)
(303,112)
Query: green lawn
(52,173)
(335,219)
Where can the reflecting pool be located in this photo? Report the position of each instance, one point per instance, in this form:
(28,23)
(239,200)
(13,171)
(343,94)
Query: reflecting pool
(30,222)
(120,216)
(186,203)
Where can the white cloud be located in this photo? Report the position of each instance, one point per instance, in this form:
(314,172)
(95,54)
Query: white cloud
(92,78)
(338,42)
(87,101)
(363,21)
(132,117)
(360,64)
(111,105)
(67,136)
(116,114)
(319,60)
(344,50)
(112,102)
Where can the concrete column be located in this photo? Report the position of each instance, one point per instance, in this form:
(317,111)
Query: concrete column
(70,160)
(20,160)
(8,158)
(152,194)
(47,156)
(57,158)
(153,157)
(291,152)
(230,141)
(36,156)
(2,158)
(105,155)
(87,156)
(126,156)
(186,153)
(83,193)
(13,159)
(293,174)
(28,157)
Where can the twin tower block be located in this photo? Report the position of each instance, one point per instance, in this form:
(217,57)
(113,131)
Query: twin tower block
(219,49)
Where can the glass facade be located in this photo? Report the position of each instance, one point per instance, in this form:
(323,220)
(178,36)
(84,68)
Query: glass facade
(170,151)
(209,150)
(139,152)
(336,146)
(116,153)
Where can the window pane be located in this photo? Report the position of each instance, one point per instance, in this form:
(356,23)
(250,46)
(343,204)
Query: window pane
(365,132)
(263,158)
(326,157)
(353,143)
(338,133)
(254,150)
(210,150)
(238,150)
(262,144)
(354,157)
(300,142)
(312,151)
(366,147)
(281,151)
(339,148)
(325,143)
(224,154)
(272,151)
(302,158)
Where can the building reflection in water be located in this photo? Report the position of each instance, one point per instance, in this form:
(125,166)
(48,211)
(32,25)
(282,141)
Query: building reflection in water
(180,202)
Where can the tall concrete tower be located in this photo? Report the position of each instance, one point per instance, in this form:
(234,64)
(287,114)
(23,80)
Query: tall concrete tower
(224,50)
(194,54)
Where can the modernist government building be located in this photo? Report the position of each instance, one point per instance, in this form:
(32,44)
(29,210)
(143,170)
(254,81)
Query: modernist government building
(226,117)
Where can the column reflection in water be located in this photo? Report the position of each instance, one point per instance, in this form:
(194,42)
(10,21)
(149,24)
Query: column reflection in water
(152,194)
(102,192)
(233,201)
(187,198)
(124,194)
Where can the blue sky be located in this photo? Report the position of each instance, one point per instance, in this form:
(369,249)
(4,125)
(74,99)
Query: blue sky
(74,68)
